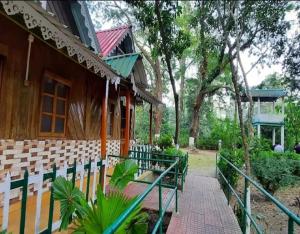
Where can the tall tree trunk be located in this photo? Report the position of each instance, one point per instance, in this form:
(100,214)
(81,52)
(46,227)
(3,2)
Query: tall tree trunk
(234,77)
(158,112)
(203,75)
(158,90)
(167,54)
(195,117)
(182,69)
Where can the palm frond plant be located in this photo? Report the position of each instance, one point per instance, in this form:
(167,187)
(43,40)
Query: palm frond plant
(94,217)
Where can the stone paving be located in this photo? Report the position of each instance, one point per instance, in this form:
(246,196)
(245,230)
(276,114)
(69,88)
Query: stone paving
(203,209)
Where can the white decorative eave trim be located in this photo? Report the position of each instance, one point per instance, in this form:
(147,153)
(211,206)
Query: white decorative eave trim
(116,81)
(33,18)
(121,39)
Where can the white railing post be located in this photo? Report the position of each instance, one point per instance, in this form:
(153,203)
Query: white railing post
(5,188)
(81,173)
(94,167)
(39,188)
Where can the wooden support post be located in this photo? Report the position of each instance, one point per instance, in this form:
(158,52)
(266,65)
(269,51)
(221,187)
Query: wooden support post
(150,127)
(103,131)
(127,126)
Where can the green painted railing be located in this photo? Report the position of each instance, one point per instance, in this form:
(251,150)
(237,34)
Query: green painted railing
(144,159)
(292,218)
(158,182)
(23,184)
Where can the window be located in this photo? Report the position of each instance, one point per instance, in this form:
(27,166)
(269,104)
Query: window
(54,103)
(110,120)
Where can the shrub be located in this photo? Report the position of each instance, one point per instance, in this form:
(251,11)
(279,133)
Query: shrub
(90,217)
(260,144)
(164,141)
(273,171)
(236,157)
(184,139)
(174,152)
(207,143)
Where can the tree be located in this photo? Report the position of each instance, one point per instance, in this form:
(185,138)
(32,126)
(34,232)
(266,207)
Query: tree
(158,19)
(272,81)
(256,23)
(120,13)
(209,55)
(292,121)
(291,61)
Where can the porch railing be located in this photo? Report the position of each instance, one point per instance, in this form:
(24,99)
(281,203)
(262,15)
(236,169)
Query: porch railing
(149,160)
(37,180)
(157,182)
(244,202)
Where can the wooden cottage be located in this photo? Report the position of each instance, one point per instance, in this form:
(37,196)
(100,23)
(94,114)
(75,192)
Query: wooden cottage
(60,100)
(118,51)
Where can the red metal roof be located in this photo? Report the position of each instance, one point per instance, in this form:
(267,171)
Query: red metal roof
(111,38)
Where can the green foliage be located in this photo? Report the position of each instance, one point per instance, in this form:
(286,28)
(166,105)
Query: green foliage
(292,121)
(184,139)
(71,200)
(152,17)
(207,143)
(123,174)
(236,157)
(172,151)
(274,170)
(142,123)
(164,141)
(225,130)
(95,218)
(258,145)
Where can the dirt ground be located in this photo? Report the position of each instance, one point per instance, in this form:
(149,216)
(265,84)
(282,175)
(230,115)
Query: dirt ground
(204,161)
(270,218)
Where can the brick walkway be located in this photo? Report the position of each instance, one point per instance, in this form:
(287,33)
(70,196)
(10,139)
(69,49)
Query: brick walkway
(151,201)
(202,205)
(203,209)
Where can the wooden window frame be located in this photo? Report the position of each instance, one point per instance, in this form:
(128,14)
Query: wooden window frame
(63,81)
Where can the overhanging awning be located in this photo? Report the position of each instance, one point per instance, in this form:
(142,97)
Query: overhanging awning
(51,30)
(265,95)
(122,64)
(148,97)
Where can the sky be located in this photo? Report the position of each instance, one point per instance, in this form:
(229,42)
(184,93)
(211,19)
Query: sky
(255,76)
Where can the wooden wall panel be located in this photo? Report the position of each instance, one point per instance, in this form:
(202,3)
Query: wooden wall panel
(20,104)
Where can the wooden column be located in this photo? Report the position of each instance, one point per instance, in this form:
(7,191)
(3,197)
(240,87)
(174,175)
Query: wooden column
(103,132)
(150,127)
(127,126)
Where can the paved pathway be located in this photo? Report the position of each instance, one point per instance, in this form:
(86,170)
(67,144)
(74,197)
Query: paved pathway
(151,201)
(203,209)
(203,206)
